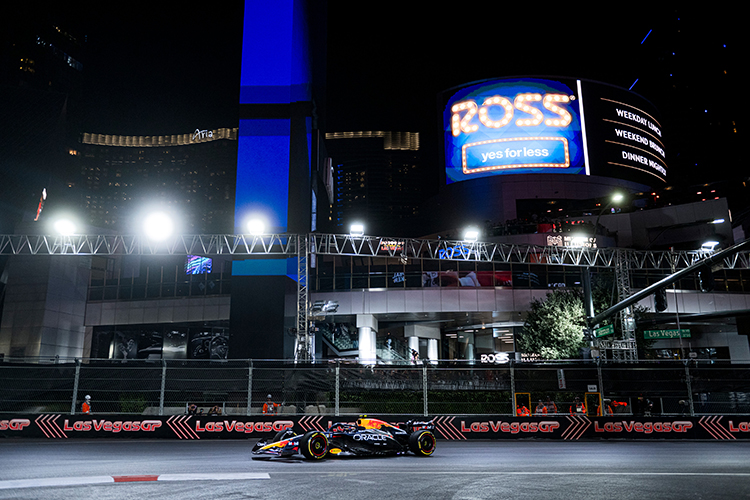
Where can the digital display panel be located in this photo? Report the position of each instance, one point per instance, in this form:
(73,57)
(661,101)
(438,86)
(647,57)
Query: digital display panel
(195,264)
(534,125)
(514,126)
(624,135)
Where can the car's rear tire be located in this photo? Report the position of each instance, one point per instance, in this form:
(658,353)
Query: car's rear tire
(314,445)
(422,443)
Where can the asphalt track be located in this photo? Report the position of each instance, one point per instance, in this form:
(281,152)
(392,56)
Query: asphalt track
(145,469)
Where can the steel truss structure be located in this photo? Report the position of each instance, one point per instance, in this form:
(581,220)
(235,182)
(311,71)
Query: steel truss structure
(362,246)
(304,247)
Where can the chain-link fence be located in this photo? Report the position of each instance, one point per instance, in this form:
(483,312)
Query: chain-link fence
(340,387)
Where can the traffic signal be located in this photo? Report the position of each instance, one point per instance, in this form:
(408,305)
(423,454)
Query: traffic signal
(660,300)
(705,279)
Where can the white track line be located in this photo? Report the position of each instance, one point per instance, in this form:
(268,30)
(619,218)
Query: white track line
(77,481)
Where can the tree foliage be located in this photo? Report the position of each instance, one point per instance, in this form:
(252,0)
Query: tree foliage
(554,326)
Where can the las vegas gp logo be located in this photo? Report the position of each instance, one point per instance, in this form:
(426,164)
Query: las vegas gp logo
(16,424)
(511,427)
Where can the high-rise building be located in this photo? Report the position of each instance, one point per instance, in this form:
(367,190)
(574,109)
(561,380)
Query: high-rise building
(379,179)
(192,175)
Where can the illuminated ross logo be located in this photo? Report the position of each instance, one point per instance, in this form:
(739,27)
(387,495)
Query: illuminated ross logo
(513,126)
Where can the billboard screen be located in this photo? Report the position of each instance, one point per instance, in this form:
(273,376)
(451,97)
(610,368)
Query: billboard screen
(534,125)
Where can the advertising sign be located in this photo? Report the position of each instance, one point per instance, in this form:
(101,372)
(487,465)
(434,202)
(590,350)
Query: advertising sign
(535,125)
(513,126)
(449,427)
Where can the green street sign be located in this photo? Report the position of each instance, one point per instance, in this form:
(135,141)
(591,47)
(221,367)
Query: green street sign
(666,334)
(605,330)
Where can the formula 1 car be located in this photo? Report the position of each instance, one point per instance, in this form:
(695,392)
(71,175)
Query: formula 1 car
(368,437)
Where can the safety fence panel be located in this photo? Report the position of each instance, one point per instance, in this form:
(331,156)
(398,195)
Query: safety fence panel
(121,387)
(369,389)
(339,387)
(36,388)
(469,390)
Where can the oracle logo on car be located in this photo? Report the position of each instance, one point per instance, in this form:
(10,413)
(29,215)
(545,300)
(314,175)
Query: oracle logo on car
(643,427)
(369,437)
(246,427)
(511,427)
(16,424)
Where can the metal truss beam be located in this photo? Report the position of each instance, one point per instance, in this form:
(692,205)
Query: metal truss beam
(363,246)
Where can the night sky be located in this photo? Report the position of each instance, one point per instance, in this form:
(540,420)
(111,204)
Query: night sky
(172,67)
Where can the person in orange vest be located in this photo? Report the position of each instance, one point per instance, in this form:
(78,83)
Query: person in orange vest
(269,407)
(541,408)
(551,406)
(86,406)
(607,411)
(522,411)
(578,408)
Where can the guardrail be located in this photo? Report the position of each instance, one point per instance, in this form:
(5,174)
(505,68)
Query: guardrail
(338,387)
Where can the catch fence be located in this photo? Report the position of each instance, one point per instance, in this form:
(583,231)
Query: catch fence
(341,387)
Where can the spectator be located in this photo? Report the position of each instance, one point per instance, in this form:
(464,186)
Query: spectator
(214,411)
(192,409)
(541,408)
(86,406)
(551,406)
(578,408)
(269,407)
(606,409)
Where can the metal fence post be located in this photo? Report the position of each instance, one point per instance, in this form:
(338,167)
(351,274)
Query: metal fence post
(337,409)
(75,387)
(512,388)
(689,385)
(249,386)
(163,385)
(601,383)
(424,387)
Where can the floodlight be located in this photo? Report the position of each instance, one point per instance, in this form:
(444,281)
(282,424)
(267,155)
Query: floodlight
(357,229)
(65,227)
(256,227)
(158,226)
(471,234)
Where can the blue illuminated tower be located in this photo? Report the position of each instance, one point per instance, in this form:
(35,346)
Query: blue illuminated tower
(276,158)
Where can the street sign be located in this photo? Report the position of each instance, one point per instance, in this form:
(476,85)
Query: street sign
(667,334)
(604,331)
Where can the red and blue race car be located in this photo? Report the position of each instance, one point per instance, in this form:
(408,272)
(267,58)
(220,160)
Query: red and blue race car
(367,437)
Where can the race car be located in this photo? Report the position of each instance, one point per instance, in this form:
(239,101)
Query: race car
(367,437)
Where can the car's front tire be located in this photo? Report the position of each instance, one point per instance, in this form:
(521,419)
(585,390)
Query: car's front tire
(314,445)
(422,443)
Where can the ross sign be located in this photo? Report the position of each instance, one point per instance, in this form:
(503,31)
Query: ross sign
(534,125)
(604,331)
(666,334)
(513,126)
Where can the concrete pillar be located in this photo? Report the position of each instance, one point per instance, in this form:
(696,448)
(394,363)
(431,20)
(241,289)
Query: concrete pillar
(433,350)
(367,325)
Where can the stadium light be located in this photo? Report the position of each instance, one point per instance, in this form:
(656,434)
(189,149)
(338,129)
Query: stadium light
(158,226)
(471,234)
(256,227)
(357,229)
(65,226)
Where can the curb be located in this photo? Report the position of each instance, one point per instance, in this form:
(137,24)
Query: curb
(78,481)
